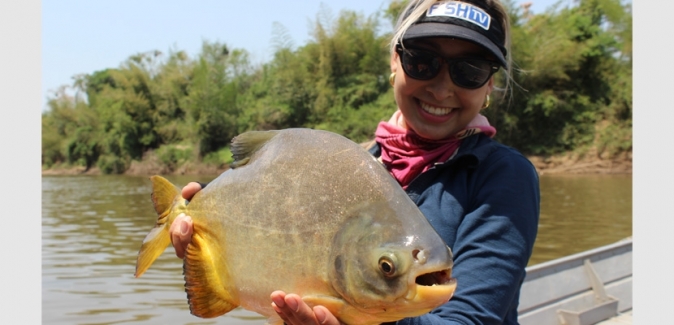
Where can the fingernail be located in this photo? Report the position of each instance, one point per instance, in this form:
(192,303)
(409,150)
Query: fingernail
(293,304)
(321,317)
(183,228)
(278,302)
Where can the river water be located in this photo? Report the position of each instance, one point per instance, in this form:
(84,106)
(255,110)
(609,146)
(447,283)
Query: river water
(92,227)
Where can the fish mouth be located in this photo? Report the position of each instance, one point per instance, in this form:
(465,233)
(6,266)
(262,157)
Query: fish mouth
(443,277)
(433,288)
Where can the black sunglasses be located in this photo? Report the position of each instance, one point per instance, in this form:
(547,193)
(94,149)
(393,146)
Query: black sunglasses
(470,73)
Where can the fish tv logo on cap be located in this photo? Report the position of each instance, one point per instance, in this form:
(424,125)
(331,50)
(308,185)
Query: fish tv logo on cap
(461,10)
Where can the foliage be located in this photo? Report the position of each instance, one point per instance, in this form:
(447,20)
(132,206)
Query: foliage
(174,155)
(211,100)
(574,73)
(70,132)
(111,164)
(220,158)
(572,90)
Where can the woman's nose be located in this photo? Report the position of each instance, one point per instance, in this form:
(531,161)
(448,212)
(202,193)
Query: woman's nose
(442,85)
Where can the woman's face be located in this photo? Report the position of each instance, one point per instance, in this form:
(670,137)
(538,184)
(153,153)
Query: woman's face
(437,108)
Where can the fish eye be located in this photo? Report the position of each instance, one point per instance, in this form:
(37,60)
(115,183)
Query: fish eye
(387,265)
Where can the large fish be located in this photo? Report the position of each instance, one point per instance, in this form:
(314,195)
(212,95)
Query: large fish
(308,212)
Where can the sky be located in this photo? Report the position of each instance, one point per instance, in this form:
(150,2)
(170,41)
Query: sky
(84,36)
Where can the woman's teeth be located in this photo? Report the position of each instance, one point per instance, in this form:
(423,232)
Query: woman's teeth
(435,110)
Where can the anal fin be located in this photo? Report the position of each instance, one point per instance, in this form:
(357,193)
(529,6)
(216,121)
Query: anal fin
(207,295)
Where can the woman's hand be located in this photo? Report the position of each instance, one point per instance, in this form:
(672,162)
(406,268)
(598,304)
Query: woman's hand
(182,227)
(293,310)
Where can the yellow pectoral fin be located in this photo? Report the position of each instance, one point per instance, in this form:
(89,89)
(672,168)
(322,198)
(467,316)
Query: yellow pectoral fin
(205,280)
(331,303)
(335,305)
(348,314)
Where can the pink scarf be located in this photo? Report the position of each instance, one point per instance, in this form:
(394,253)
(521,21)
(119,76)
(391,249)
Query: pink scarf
(406,155)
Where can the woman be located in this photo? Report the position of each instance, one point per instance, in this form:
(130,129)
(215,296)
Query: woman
(481,196)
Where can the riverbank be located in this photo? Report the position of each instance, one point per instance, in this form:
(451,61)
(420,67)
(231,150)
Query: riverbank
(561,164)
(586,164)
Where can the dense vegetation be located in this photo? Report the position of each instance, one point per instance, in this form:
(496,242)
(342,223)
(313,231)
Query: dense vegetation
(572,91)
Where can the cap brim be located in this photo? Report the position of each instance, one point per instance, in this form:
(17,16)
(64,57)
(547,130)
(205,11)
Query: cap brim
(432,29)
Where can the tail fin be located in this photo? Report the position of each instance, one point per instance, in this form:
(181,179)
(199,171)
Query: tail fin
(164,195)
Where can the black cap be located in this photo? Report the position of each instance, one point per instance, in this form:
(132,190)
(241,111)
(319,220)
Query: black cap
(462,20)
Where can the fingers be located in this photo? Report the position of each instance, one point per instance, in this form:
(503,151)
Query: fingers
(182,227)
(293,310)
(181,233)
(280,306)
(325,317)
(190,189)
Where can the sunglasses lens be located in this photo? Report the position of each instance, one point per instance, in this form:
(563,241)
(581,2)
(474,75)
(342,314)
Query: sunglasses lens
(468,73)
(465,73)
(420,64)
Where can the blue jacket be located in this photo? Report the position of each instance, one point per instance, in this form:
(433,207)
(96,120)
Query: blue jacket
(484,202)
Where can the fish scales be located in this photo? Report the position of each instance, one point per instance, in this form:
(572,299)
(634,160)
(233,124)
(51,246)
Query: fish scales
(308,212)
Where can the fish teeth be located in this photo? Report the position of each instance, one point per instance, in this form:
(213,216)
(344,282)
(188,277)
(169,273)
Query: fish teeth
(435,110)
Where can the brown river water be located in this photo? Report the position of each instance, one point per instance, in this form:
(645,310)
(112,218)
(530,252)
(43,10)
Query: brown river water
(92,227)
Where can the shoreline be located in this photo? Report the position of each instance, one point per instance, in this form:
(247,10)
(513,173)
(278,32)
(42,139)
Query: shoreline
(586,165)
(562,165)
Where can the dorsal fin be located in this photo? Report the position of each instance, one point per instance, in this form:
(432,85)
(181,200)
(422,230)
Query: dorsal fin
(246,144)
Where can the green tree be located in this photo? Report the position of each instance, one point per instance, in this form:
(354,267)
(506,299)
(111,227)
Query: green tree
(69,132)
(325,83)
(568,60)
(218,78)
(170,86)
